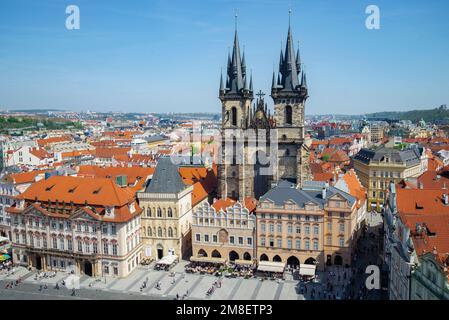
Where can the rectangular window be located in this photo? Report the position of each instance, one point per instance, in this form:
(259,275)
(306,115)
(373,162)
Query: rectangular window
(114,249)
(307,244)
(315,244)
(55,243)
(80,246)
(279,217)
(214,238)
(94,228)
(342,227)
(249,241)
(289,243)
(95,247)
(69,225)
(87,247)
(262,241)
(298,244)
(61,225)
(240,240)
(231,239)
(315,230)
(69,245)
(105,228)
(206,238)
(298,229)
(262,227)
(78,227)
(342,242)
(113,229)
(290,217)
(329,240)
(106,248)
(307,229)
(115,271)
(279,243)
(289,228)
(86,227)
(198,237)
(307,218)
(61,244)
(271,227)
(53,225)
(279,227)
(271,242)
(44,242)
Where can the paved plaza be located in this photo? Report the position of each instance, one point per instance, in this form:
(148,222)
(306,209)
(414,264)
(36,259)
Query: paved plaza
(336,283)
(192,286)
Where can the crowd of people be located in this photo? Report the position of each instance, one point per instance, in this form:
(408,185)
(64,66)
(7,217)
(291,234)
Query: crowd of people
(6,266)
(203,268)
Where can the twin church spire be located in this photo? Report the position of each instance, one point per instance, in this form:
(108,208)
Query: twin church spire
(290,78)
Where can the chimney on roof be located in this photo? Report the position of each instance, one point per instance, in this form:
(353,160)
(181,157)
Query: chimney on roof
(445,199)
(323,193)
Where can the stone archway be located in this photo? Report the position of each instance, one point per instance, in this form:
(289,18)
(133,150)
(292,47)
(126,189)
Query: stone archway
(263,257)
(310,261)
(246,256)
(277,258)
(293,262)
(233,256)
(216,254)
(202,253)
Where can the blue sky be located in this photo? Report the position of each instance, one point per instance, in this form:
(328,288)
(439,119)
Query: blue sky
(159,55)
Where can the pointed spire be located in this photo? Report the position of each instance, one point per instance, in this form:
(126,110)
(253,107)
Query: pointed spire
(304,80)
(251,82)
(245,84)
(221,83)
(298,61)
(279,80)
(288,63)
(273,82)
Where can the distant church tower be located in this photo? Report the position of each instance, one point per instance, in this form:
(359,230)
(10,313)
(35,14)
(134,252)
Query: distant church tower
(237,179)
(289,95)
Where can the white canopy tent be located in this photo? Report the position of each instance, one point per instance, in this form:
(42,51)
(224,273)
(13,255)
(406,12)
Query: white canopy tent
(307,269)
(168,260)
(271,266)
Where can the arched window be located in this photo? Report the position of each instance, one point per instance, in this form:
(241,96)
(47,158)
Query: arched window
(159,232)
(149,233)
(159,212)
(288,115)
(234,116)
(170,213)
(148,212)
(170,232)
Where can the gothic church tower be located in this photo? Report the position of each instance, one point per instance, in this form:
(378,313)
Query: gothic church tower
(289,95)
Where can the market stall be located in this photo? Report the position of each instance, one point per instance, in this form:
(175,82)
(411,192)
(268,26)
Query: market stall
(307,271)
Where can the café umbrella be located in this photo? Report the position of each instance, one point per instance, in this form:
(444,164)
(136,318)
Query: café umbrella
(5,257)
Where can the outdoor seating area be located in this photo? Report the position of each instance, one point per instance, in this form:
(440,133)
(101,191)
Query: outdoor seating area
(240,268)
(205,265)
(166,263)
(146,261)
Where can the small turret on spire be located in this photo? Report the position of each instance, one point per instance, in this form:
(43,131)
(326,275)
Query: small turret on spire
(221,83)
(298,61)
(273,82)
(251,82)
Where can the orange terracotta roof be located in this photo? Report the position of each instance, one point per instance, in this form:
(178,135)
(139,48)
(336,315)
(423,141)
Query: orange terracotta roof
(110,152)
(96,191)
(76,153)
(47,141)
(355,187)
(223,204)
(24,177)
(133,175)
(40,153)
(326,176)
(421,201)
(250,204)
